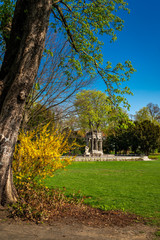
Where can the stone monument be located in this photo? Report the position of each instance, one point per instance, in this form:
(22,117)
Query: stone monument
(94,144)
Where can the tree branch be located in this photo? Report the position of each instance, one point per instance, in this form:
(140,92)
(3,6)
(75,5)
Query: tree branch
(67,6)
(55,15)
(64,22)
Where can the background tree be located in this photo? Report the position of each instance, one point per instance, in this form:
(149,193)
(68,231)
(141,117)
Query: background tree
(138,137)
(93,109)
(118,134)
(151,112)
(154,111)
(143,114)
(79,22)
(146,136)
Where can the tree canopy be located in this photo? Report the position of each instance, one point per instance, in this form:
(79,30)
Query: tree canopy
(139,137)
(151,112)
(143,114)
(80,24)
(146,136)
(92,109)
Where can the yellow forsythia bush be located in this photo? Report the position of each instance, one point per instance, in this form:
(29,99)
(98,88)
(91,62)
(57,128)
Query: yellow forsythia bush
(38,154)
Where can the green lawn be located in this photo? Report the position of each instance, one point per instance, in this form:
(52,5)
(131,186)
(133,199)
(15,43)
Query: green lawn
(129,186)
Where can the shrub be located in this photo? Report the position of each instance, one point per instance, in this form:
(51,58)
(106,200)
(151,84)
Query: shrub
(38,153)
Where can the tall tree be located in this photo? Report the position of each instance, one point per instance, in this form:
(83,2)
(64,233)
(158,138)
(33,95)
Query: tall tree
(93,109)
(20,65)
(79,22)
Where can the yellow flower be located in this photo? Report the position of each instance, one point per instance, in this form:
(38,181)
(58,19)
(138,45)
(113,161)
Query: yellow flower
(38,153)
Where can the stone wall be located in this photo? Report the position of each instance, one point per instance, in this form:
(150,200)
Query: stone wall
(112,158)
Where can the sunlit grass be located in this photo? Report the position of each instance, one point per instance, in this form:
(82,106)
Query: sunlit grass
(130,186)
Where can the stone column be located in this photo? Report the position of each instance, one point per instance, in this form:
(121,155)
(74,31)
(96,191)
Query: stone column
(100,145)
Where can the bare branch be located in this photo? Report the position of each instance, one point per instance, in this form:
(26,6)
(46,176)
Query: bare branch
(53,91)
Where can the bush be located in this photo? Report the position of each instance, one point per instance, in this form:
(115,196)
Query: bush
(38,154)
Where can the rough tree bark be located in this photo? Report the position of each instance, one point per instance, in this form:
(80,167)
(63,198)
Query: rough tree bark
(19,68)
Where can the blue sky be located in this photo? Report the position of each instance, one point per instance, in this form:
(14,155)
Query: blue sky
(139,41)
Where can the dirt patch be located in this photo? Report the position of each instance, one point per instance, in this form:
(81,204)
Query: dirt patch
(96,217)
(87,224)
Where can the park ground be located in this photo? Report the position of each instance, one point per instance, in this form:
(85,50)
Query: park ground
(72,228)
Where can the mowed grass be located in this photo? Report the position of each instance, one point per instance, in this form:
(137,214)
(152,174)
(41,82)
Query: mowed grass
(129,186)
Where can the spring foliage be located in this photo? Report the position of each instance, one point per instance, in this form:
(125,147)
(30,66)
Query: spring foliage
(93,109)
(38,153)
(81,23)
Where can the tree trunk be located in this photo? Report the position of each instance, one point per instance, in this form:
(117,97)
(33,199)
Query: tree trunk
(22,58)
